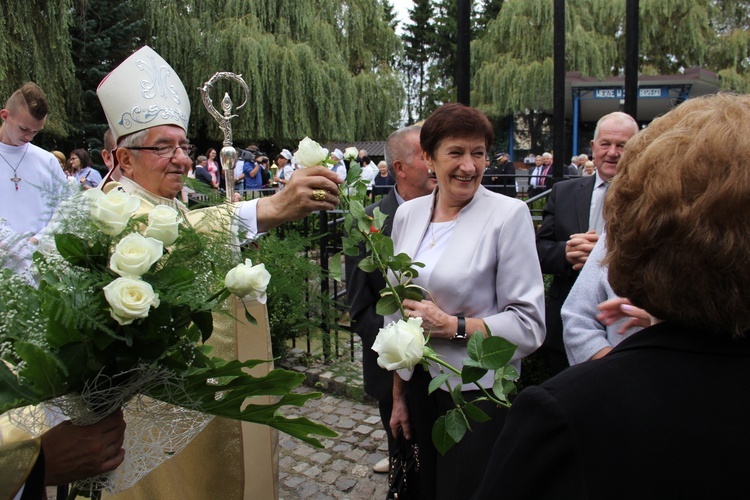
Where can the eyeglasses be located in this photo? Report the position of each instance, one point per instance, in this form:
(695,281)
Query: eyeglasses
(166,151)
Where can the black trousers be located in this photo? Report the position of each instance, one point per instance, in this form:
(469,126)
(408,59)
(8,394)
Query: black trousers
(457,474)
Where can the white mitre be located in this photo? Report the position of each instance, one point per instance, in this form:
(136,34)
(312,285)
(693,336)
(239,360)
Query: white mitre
(143,92)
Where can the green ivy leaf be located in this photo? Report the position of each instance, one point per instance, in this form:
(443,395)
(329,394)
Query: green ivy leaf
(436,382)
(455,424)
(357,210)
(71,248)
(440,436)
(470,374)
(496,352)
(368,264)
(205,323)
(43,371)
(335,269)
(475,413)
(386,305)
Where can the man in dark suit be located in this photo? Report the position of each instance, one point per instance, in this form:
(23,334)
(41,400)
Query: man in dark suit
(403,154)
(571,226)
(500,177)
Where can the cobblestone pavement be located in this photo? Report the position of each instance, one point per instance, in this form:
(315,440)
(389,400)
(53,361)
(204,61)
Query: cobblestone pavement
(343,469)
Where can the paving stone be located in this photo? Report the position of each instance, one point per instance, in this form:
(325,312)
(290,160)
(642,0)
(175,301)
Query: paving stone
(303,450)
(363,429)
(378,434)
(341,448)
(286,462)
(372,420)
(313,471)
(345,484)
(361,471)
(293,482)
(308,489)
(350,439)
(320,457)
(355,455)
(330,477)
(346,424)
(340,465)
(301,467)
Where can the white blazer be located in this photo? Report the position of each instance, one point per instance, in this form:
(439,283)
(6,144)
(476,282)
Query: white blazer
(489,270)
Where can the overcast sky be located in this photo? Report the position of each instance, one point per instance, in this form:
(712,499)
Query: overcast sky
(401,9)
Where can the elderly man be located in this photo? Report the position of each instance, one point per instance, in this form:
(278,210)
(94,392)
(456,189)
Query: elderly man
(153,152)
(572,225)
(403,154)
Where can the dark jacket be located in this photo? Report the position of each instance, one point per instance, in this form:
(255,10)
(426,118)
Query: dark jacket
(664,415)
(363,291)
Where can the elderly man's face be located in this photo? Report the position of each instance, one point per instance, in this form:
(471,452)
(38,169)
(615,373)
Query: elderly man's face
(160,176)
(547,160)
(538,161)
(608,146)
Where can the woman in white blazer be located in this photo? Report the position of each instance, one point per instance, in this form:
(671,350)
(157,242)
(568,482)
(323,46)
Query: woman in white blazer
(481,277)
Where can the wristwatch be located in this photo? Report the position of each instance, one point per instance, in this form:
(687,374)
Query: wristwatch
(460,336)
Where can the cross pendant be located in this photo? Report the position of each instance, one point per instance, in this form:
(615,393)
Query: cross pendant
(16,180)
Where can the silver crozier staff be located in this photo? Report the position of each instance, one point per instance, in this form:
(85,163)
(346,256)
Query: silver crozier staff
(228,154)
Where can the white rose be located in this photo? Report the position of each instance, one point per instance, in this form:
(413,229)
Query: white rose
(351,153)
(113,210)
(248,280)
(163,224)
(400,344)
(130,299)
(309,153)
(134,255)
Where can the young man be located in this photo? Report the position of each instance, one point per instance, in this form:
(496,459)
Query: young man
(31,181)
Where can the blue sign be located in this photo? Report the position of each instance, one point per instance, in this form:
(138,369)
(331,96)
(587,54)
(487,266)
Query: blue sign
(643,93)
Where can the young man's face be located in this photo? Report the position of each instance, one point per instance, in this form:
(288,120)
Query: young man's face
(19,127)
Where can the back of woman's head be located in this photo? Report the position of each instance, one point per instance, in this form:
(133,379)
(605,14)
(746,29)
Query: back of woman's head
(678,230)
(83,155)
(454,120)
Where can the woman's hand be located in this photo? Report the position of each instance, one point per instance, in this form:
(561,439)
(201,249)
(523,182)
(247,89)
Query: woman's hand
(618,308)
(400,410)
(436,323)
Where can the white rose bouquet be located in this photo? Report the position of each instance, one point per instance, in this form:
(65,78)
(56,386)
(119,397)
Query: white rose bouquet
(122,310)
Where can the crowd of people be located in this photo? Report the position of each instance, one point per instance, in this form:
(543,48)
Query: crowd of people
(645,384)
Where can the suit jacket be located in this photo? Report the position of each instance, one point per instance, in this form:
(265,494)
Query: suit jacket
(662,416)
(363,291)
(485,271)
(566,212)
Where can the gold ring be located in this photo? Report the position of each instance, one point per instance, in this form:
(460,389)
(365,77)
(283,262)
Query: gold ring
(319,194)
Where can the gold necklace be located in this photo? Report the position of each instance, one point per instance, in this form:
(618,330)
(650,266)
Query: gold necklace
(15,179)
(443,231)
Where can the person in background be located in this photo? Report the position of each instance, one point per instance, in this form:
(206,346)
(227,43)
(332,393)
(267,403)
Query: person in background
(572,224)
(478,280)
(83,169)
(383,182)
(641,421)
(61,158)
(213,168)
(339,166)
(201,171)
(282,161)
(403,156)
(589,168)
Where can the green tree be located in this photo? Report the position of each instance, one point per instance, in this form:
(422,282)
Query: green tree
(35,46)
(418,38)
(314,67)
(512,61)
(104,33)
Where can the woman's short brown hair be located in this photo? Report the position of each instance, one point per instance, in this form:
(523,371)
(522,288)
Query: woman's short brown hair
(454,120)
(678,228)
